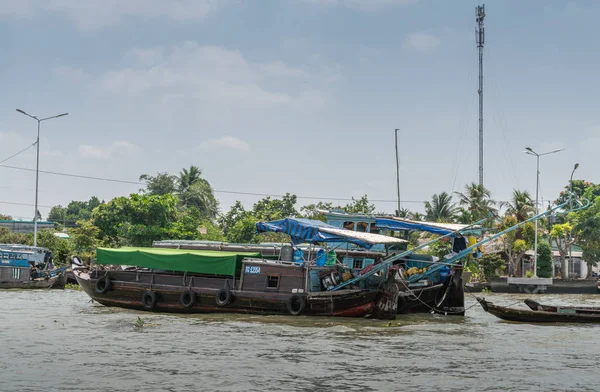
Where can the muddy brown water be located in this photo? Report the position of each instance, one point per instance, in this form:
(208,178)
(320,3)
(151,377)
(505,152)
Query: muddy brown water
(54,340)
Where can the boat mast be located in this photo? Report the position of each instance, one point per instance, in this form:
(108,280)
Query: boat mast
(480,39)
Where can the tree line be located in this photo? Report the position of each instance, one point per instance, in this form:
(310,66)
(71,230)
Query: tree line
(183,207)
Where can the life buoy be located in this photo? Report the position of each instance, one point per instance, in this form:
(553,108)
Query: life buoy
(187,299)
(103,285)
(443,293)
(336,278)
(296,304)
(223,297)
(75,260)
(149,300)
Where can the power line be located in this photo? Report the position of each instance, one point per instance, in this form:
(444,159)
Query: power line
(214,190)
(74,175)
(22,204)
(22,151)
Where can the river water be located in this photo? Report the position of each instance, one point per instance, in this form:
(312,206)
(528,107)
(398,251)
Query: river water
(56,340)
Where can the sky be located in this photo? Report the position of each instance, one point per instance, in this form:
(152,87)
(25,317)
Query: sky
(299,96)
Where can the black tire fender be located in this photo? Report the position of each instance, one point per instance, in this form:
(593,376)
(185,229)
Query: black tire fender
(223,297)
(296,304)
(103,285)
(443,293)
(402,305)
(149,300)
(187,299)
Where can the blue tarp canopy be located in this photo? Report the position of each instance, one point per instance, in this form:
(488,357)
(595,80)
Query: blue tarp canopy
(315,231)
(393,223)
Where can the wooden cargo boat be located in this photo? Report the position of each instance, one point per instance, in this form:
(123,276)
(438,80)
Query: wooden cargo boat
(221,282)
(551,314)
(196,281)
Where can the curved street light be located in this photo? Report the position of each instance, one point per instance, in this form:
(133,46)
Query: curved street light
(530,151)
(37,168)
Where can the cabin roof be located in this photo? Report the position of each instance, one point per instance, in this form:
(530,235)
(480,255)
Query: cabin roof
(396,223)
(314,231)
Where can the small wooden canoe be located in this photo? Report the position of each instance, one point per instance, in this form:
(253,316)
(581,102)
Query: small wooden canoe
(536,306)
(561,315)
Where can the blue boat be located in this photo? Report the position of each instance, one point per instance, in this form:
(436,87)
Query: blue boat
(28,267)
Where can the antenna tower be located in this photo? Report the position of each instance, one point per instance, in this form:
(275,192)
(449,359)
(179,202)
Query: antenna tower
(480,39)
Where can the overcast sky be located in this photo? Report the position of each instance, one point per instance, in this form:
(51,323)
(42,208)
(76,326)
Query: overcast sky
(299,96)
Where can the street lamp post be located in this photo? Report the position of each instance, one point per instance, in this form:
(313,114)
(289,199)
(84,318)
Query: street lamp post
(571,207)
(397,170)
(37,167)
(529,151)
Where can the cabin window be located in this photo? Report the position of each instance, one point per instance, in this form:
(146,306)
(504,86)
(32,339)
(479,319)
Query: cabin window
(358,264)
(349,225)
(273,281)
(374,229)
(362,227)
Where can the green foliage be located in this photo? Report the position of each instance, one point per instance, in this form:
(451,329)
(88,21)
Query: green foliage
(62,248)
(476,203)
(586,230)
(268,209)
(9,237)
(360,206)
(85,238)
(311,211)
(440,208)
(137,220)
(491,263)
(5,217)
(440,249)
(160,184)
(529,274)
(244,230)
(544,260)
(521,206)
(74,211)
(200,196)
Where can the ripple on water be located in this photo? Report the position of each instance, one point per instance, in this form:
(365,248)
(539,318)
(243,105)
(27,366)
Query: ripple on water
(70,344)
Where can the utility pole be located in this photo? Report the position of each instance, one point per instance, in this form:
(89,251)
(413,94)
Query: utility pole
(480,39)
(397,170)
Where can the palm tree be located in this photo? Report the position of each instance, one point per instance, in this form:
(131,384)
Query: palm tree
(440,209)
(196,191)
(187,178)
(403,213)
(476,202)
(521,206)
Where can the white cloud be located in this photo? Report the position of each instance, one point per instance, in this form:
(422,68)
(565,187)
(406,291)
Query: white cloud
(362,5)
(116,149)
(88,15)
(421,42)
(228,142)
(204,77)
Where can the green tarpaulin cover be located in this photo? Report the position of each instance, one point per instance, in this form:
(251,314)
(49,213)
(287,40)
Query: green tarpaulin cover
(200,261)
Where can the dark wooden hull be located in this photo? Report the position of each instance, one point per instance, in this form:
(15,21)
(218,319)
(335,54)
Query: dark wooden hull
(536,306)
(539,316)
(32,284)
(128,287)
(446,299)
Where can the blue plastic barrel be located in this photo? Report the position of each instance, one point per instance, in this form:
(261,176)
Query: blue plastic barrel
(444,272)
(321,258)
(298,256)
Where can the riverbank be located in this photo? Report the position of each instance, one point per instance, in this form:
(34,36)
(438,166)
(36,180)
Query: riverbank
(559,286)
